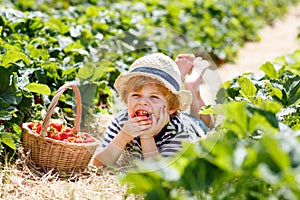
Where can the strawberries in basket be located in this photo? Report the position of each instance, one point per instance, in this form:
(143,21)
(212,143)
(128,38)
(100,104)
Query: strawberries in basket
(57,131)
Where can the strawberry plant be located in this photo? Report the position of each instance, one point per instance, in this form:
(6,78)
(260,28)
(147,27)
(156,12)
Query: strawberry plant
(252,153)
(16,102)
(245,157)
(220,27)
(35,60)
(279,84)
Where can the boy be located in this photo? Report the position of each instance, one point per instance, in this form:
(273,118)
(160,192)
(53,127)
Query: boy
(153,123)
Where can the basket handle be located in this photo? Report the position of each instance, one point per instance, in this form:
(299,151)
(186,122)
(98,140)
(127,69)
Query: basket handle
(53,104)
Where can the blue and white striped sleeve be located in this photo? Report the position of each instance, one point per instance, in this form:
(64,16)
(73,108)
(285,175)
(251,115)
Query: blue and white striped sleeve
(113,128)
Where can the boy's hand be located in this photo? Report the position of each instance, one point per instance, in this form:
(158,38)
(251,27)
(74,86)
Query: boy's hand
(157,124)
(135,126)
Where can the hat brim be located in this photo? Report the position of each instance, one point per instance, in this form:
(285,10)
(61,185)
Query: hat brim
(184,96)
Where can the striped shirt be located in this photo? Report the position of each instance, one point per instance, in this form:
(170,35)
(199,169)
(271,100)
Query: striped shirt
(182,127)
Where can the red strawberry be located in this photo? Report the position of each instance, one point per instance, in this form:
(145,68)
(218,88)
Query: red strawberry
(30,125)
(57,126)
(68,129)
(88,139)
(65,135)
(141,113)
(78,140)
(56,136)
(38,100)
(39,128)
(50,133)
(71,139)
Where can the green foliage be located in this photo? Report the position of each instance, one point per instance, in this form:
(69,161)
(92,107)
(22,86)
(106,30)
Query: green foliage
(252,153)
(281,84)
(220,27)
(16,104)
(227,164)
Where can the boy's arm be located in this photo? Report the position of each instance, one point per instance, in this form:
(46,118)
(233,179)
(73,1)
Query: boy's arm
(149,147)
(110,154)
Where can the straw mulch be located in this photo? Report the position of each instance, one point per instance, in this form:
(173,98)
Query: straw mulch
(22,181)
(19,182)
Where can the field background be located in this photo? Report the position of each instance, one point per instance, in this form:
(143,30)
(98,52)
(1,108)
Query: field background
(17,181)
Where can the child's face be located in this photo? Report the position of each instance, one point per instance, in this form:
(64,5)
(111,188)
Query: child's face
(147,98)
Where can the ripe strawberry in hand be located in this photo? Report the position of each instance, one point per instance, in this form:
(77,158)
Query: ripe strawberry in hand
(141,113)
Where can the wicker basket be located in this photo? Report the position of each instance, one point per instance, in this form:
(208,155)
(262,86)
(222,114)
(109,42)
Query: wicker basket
(49,154)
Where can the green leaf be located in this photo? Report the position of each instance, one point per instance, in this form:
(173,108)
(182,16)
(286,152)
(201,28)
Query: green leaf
(38,88)
(236,118)
(58,25)
(4,76)
(5,115)
(92,11)
(292,87)
(247,87)
(7,139)
(52,71)
(86,72)
(273,148)
(269,70)
(262,120)
(200,174)
(206,110)
(35,24)
(271,106)
(143,182)
(38,53)
(273,91)
(12,95)
(13,57)
(76,47)
(17,130)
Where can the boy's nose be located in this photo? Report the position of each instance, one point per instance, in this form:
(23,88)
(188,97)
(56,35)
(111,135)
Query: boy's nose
(143,101)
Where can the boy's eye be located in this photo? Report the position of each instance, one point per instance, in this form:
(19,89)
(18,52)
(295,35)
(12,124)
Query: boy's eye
(135,95)
(154,97)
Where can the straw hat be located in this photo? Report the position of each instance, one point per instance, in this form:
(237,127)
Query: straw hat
(160,67)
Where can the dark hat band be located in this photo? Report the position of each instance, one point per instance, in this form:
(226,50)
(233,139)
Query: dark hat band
(159,73)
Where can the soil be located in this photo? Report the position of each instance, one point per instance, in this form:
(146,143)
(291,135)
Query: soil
(278,39)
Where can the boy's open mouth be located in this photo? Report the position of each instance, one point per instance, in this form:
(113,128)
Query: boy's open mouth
(141,113)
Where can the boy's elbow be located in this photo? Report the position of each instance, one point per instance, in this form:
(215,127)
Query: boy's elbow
(97,162)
